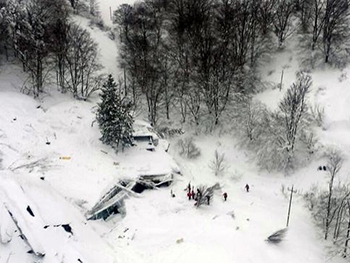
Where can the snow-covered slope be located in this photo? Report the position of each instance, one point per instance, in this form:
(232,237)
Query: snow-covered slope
(54,163)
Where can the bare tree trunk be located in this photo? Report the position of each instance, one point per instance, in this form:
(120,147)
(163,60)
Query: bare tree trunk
(318,22)
(335,20)
(333,167)
(338,221)
(283,14)
(6,52)
(347,233)
(328,221)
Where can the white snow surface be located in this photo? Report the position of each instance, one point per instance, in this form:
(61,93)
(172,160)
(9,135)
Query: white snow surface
(53,161)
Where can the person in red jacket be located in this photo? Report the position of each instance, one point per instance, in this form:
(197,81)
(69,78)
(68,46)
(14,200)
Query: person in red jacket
(189,195)
(225,196)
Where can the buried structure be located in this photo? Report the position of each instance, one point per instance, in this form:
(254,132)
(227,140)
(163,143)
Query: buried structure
(145,170)
(147,165)
(112,202)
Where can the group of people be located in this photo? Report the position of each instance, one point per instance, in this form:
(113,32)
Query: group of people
(195,196)
(191,194)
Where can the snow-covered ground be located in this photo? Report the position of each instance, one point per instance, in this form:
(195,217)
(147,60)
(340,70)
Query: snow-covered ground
(107,47)
(53,162)
(107,8)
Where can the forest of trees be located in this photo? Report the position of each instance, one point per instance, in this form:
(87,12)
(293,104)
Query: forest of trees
(197,55)
(200,59)
(331,207)
(194,59)
(51,48)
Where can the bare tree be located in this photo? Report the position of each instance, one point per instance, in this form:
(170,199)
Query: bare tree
(294,107)
(219,164)
(188,148)
(201,44)
(266,15)
(282,20)
(347,237)
(74,4)
(141,30)
(331,209)
(94,8)
(4,32)
(29,26)
(335,28)
(304,9)
(124,18)
(339,210)
(82,63)
(252,120)
(334,164)
(58,40)
(180,53)
(317,16)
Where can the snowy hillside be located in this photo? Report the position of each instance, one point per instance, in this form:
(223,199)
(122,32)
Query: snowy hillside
(54,168)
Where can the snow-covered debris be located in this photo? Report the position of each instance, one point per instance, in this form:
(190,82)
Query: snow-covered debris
(278,236)
(19,208)
(146,136)
(7,227)
(48,225)
(111,202)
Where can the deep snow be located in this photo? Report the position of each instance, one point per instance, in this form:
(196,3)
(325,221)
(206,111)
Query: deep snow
(156,227)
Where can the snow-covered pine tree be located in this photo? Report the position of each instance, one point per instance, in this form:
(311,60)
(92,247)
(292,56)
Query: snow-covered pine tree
(114,117)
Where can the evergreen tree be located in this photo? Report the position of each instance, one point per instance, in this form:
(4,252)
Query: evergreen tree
(113,116)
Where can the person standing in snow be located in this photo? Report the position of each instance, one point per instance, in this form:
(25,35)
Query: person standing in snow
(247,187)
(189,187)
(208,199)
(193,193)
(199,194)
(189,195)
(225,196)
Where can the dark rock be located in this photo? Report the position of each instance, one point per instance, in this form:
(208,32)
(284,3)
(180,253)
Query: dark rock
(67,228)
(30,211)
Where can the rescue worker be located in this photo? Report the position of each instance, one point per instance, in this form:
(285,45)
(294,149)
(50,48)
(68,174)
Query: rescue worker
(199,194)
(208,199)
(193,194)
